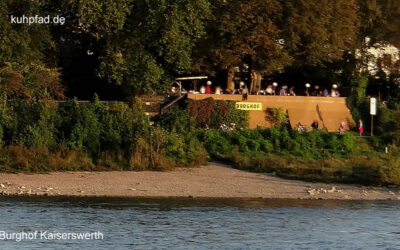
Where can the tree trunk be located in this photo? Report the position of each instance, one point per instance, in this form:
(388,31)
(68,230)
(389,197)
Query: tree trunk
(253,77)
(255,84)
(230,84)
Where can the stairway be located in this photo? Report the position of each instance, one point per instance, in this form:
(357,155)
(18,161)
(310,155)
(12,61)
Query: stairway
(153,106)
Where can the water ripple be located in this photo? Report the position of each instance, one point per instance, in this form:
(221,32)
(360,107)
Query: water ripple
(204,224)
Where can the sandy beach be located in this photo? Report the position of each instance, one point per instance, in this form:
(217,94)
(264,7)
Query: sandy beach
(212,181)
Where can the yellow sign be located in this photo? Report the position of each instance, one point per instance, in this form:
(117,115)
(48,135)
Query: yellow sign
(249,105)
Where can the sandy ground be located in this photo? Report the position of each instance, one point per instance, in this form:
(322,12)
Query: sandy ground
(213,181)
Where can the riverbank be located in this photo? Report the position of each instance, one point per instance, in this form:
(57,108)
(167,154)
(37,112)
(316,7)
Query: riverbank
(215,180)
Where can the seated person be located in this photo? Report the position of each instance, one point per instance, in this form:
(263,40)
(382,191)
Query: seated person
(291,92)
(269,90)
(314,124)
(283,91)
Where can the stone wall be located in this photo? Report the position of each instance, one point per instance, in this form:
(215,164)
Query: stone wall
(329,111)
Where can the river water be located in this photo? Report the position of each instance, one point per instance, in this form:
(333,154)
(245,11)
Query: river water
(199,223)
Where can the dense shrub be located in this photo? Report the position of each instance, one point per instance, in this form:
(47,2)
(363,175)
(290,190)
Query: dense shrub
(215,143)
(313,144)
(177,120)
(201,111)
(212,114)
(358,102)
(17,158)
(277,117)
(31,124)
(117,136)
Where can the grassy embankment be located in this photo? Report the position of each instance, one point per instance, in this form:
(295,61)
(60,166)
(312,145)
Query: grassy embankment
(313,156)
(46,136)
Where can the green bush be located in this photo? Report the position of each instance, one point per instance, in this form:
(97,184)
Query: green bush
(277,117)
(236,116)
(212,114)
(256,142)
(32,124)
(116,136)
(215,143)
(358,102)
(177,120)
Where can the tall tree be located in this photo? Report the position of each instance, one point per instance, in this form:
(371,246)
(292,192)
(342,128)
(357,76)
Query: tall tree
(239,30)
(26,66)
(319,31)
(80,40)
(155,45)
(320,36)
(380,21)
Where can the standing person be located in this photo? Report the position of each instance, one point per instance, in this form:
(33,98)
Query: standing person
(245,92)
(360,127)
(314,124)
(208,90)
(283,91)
(342,127)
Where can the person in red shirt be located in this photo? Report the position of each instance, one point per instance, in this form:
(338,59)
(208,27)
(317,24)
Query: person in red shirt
(342,127)
(208,88)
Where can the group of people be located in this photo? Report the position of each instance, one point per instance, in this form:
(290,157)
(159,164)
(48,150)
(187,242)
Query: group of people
(207,89)
(325,93)
(284,91)
(269,90)
(219,91)
(342,127)
(302,128)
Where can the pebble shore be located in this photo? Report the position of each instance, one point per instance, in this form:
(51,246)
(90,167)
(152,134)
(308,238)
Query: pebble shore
(212,181)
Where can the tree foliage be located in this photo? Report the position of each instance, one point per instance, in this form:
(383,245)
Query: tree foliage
(26,70)
(240,29)
(380,20)
(156,44)
(142,45)
(319,31)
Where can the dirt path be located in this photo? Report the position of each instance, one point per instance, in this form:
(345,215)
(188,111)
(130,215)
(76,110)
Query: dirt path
(213,180)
